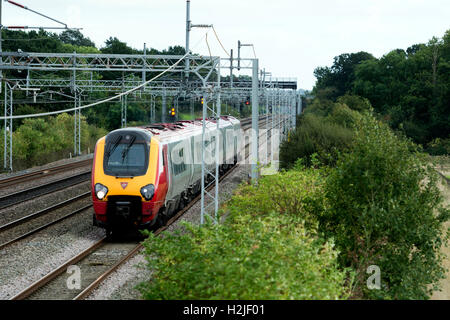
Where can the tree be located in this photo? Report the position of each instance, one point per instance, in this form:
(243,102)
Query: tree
(115,46)
(341,74)
(385,209)
(76,38)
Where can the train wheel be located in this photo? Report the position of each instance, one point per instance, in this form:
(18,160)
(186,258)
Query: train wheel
(161,219)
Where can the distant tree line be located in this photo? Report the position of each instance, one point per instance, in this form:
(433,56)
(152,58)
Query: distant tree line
(69,41)
(409,89)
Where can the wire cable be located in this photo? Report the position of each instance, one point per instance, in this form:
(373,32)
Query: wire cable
(209,49)
(254,53)
(220,42)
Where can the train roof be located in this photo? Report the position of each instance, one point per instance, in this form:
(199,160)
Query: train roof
(169,131)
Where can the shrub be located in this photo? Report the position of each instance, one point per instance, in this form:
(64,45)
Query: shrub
(439,147)
(257,253)
(315,135)
(344,116)
(320,107)
(356,103)
(296,192)
(385,209)
(262,258)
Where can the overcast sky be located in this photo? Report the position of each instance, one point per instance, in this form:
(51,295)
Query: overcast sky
(291,38)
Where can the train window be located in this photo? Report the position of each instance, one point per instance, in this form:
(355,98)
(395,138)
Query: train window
(179,167)
(213,152)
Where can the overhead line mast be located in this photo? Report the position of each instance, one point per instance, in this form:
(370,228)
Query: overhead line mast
(38,13)
(189,27)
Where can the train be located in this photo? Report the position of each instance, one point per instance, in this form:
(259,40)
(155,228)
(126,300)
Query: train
(141,176)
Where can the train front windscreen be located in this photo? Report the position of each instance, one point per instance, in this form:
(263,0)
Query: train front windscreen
(125,156)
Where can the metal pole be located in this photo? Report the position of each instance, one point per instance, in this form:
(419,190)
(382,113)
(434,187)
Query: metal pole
(216,200)
(124,111)
(239,55)
(255,114)
(10,129)
(79,125)
(279,115)
(4,145)
(204,116)
(144,76)
(272,114)
(267,124)
(188,29)
(75,123)
(1,50)
(163,107)
(231,69)
(152,109)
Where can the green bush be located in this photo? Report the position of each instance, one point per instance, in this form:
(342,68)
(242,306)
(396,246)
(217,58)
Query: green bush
(296,192)
(344,116)
(38,141)
(385,210)
(320,107)
(439,147)
(315,135)
(257,253)
(355,103)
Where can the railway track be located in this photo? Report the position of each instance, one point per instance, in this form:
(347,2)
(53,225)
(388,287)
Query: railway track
(10,181)
(47,211)
(50,187)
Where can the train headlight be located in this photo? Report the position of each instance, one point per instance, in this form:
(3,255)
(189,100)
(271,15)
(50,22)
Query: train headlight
(148,191)
(100,191)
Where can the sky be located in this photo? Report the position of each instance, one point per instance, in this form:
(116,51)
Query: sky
(291,38)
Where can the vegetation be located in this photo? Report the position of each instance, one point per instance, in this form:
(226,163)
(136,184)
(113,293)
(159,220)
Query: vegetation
(267,248)
(315,136)
(410,89)
(384,209)
(325,129)
(38,141)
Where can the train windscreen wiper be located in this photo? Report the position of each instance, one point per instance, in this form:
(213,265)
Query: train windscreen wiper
(127,148)
(111,149)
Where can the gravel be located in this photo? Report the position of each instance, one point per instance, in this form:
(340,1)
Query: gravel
(27,207)
(28,260)
(35,223)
